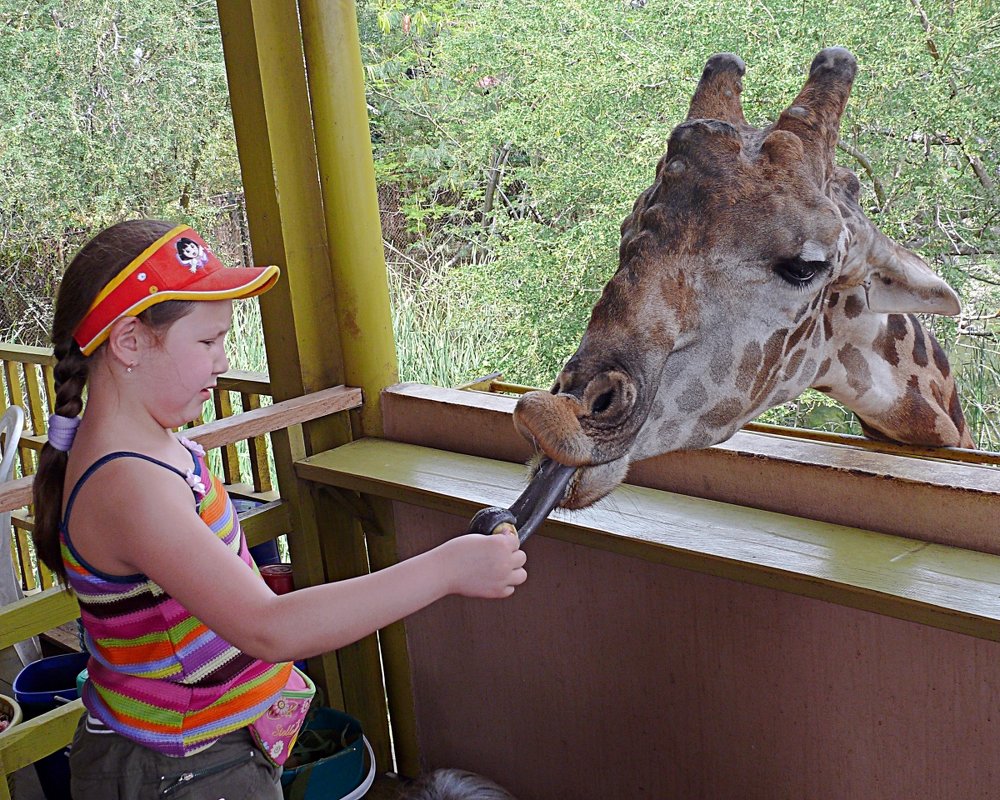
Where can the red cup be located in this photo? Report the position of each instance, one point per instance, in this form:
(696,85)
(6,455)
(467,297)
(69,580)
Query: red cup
(278,577)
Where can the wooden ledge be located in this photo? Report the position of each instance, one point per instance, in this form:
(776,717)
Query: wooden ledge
(914,497)
(932,584)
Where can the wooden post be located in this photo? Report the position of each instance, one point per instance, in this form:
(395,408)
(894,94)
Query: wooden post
(274,132)
(353,228)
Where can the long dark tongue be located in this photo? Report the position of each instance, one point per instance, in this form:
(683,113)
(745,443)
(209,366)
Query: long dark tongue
(532,507)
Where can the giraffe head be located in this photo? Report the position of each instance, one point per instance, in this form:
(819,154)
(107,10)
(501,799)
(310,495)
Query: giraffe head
(731,269)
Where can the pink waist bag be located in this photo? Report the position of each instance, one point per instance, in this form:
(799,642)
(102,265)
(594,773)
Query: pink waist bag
(276,730)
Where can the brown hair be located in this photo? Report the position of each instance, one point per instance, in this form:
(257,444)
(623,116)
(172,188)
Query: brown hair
(100,260)
(455,784)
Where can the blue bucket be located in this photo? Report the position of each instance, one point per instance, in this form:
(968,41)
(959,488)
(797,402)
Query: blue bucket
(337,776)
(42,686)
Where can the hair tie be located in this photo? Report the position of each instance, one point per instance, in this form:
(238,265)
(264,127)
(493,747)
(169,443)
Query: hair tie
(62,431)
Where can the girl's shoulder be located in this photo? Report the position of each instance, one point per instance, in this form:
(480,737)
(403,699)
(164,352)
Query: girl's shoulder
(100,465)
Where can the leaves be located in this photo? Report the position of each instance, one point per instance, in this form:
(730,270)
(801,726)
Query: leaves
(583,97)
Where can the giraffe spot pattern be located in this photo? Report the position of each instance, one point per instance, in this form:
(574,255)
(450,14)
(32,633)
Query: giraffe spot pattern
(723,412)
(792,369)
(769,372)
(894,331)
(749,362)
(919,343)
(700,438)
(721,363)
(859,377)
(913,412)
(693,398)
(853,306)
(824,368)
(940,359)
(799,333)
(955,411)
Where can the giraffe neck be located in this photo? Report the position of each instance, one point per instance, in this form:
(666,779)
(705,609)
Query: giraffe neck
(890,371)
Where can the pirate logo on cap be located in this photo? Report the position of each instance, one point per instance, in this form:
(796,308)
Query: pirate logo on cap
(191,254)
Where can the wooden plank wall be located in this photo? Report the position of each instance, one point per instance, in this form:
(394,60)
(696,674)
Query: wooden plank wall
(611,677)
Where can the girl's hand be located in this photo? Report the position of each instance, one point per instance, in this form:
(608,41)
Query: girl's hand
(484,566)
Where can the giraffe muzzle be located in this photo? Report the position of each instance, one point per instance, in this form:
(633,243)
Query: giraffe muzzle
(594,426)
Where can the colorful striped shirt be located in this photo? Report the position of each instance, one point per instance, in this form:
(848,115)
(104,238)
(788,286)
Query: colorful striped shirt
(157,675)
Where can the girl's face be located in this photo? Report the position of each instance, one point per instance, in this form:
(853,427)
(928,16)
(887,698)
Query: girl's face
(180,367)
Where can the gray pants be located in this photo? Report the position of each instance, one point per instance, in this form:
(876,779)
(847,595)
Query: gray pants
(106,766)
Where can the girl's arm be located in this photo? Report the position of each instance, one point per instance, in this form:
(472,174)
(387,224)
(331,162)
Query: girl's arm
(162,536)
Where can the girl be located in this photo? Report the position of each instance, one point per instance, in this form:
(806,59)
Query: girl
(188,645)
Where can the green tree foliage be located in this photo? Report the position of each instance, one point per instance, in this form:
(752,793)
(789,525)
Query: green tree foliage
(110,110)
(511,138)
(522,131)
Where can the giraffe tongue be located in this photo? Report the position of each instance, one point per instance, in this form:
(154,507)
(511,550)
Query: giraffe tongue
(529,511)
(542,494)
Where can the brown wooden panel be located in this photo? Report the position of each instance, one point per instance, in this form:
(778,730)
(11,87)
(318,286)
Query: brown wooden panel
(610,677)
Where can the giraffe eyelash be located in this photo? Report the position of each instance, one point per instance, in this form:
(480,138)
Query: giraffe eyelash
(798,272)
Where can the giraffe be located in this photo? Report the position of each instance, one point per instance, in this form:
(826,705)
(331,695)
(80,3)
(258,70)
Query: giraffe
(747,273)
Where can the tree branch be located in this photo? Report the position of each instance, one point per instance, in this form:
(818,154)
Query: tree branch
(866,164)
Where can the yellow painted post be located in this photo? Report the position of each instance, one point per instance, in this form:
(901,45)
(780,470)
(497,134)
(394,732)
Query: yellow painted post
(272,117)
(350,202)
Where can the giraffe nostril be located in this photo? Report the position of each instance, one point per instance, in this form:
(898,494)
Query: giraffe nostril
(603,402)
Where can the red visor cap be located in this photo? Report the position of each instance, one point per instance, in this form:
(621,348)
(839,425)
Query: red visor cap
(177,266)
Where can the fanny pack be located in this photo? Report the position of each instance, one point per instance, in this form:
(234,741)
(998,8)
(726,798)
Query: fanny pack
(276,729)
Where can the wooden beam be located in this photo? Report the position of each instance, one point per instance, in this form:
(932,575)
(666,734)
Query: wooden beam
(920,498)
(296,411)
(36,614)
(41,736)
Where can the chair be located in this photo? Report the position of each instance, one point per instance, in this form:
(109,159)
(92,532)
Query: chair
(11,425)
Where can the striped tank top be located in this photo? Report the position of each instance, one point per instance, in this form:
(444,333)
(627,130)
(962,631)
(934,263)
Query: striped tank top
(157,675)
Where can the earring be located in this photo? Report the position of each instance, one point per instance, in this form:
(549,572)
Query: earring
(129,369)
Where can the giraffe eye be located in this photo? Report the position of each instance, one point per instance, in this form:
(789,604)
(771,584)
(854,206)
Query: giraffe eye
(798,272)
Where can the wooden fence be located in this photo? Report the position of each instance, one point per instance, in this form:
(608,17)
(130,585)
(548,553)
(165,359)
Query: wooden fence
(28,382)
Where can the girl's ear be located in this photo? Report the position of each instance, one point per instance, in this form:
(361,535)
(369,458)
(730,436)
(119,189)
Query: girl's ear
(126,340)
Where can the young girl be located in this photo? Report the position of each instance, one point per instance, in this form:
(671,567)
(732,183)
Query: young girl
(188,645)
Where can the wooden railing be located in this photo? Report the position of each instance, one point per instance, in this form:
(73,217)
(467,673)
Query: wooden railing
(47,609)
(28,382)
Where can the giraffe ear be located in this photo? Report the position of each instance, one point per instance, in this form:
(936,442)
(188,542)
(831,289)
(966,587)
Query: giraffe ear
(899,282)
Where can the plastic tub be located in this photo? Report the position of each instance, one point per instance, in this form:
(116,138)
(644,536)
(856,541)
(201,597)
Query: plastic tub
(42,686)
(337,776)
(48,683)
